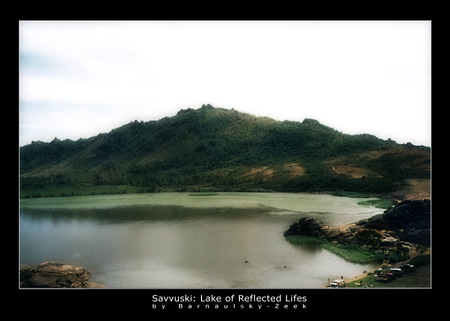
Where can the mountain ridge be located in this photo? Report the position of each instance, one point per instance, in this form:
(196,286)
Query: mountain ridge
(222,150)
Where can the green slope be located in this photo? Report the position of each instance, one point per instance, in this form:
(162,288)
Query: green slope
(221,150)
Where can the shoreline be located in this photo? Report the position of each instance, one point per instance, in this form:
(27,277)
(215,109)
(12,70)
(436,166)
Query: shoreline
(361,276)
(348,280)
(132,190)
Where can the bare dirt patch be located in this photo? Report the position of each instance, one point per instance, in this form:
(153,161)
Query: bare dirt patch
(353,171)
(416,189)
(343,166)
(412,158)
(294,169)
(398,151)
(260,172)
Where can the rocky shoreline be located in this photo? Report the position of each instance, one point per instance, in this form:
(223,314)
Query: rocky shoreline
(402,230)
(55,275)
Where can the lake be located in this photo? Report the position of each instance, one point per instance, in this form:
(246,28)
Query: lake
(178,240)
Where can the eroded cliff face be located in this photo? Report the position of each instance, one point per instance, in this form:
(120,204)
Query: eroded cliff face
(400,228)
(55,275)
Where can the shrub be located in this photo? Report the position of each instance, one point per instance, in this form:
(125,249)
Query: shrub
(421,260)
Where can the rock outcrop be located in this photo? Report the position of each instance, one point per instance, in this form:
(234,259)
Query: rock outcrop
(308,227)
(56,275)
(409,221)
(397,230)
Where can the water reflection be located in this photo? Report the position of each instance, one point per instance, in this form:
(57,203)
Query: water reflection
(144,246)
(133,213)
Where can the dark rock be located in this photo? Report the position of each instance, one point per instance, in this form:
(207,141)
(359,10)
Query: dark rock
(407,212)
(409,220)
(306,226)
(374,222)
(418,236)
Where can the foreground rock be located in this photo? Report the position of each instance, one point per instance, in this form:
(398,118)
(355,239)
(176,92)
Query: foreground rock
(409,221)
(56,275)
(399,230)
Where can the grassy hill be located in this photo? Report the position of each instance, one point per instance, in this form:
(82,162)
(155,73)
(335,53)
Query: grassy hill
(215,149)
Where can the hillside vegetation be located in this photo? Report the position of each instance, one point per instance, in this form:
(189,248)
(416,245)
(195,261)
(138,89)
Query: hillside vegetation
(215,149)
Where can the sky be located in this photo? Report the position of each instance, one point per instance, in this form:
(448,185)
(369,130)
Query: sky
(81,78)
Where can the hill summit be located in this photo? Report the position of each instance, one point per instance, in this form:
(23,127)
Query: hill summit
(216,149)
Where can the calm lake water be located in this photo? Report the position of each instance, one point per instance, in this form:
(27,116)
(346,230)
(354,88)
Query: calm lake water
(174,240)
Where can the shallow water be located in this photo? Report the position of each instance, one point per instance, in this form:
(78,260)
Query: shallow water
(173,240)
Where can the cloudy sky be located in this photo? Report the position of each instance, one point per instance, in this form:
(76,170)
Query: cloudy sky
(78,79)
